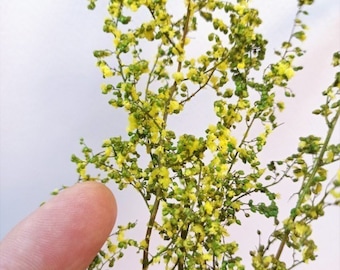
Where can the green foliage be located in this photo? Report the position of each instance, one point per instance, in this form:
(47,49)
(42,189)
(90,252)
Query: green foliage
(193,187)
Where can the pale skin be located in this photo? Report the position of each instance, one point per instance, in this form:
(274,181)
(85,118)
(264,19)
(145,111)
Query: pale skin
(65,233)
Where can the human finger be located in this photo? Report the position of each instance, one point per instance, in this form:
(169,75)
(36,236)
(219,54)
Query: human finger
(64,233)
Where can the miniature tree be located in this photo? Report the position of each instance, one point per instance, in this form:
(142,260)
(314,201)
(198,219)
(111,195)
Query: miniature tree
(193,187)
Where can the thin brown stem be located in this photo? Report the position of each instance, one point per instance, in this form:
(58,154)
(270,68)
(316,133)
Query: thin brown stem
(149,231)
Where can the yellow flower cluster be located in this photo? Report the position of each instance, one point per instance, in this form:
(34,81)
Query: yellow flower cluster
(161,176)
(195,187)
(105,69)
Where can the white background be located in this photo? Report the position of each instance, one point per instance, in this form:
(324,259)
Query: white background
(50,97)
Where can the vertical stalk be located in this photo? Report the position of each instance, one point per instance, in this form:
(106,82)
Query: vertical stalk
(306,187)
(149,230)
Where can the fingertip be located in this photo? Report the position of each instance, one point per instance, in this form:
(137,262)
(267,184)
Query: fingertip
(96,195)
(65,233)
